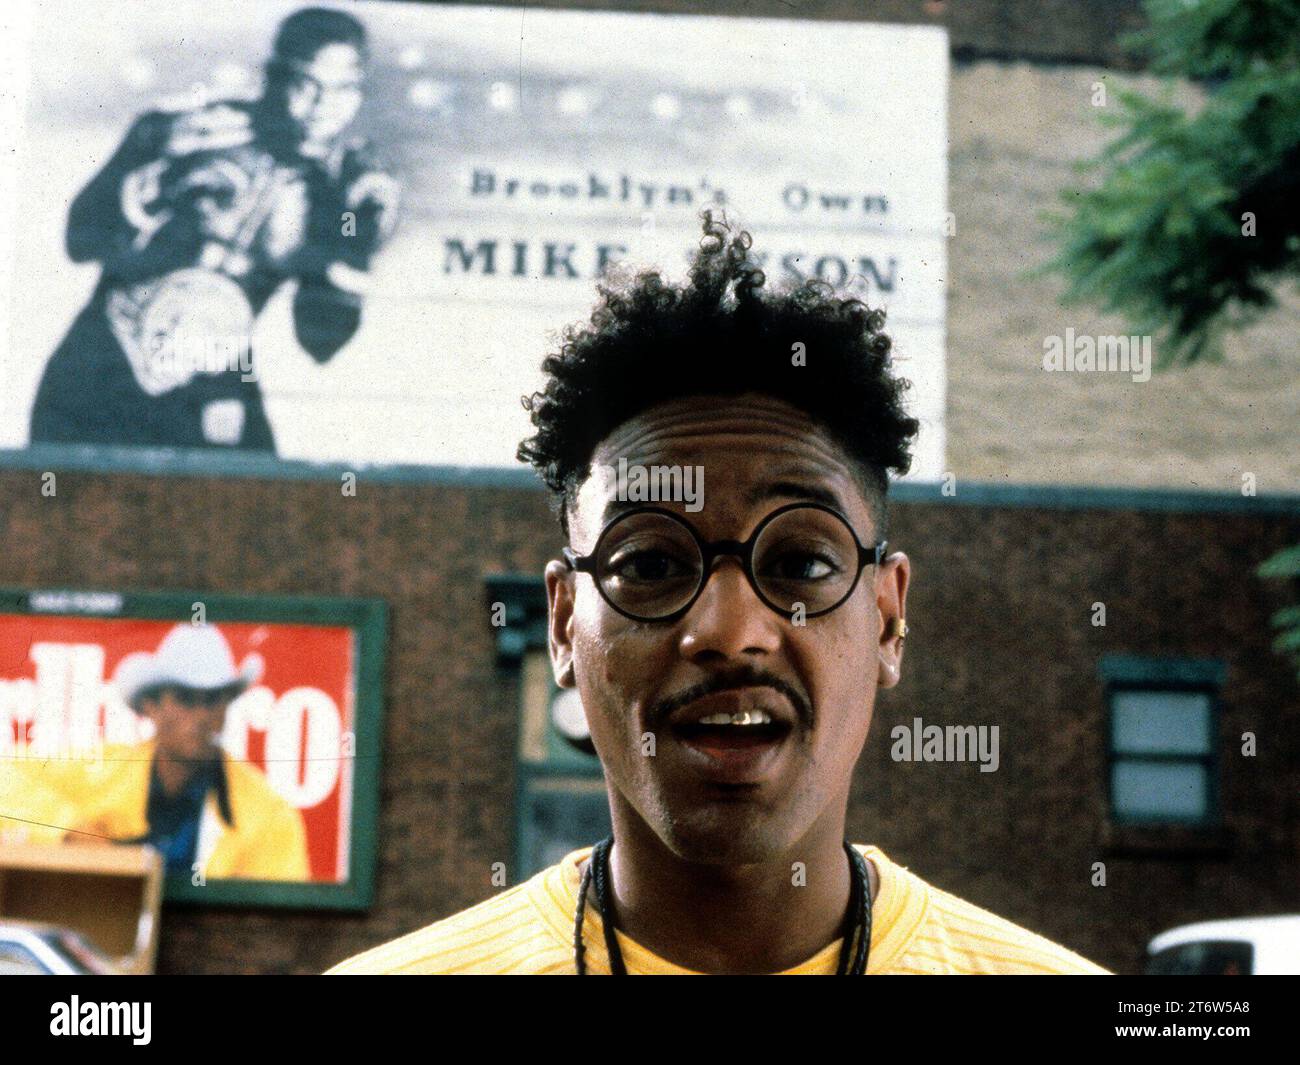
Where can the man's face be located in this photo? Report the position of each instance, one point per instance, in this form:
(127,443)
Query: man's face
(324,95)
(729,652)
(187,722)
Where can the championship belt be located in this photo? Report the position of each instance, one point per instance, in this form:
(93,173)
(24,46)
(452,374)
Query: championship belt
(168,325)
(195,319)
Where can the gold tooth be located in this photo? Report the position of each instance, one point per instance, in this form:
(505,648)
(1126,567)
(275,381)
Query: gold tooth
(742,718)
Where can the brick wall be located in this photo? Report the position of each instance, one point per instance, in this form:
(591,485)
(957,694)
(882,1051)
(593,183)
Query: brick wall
(1072,31)
(1000,608)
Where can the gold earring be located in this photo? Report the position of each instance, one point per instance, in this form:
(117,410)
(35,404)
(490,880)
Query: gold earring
(896,627)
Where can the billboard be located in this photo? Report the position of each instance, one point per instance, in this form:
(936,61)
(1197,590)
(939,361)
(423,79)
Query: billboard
(351,236)
(239,737)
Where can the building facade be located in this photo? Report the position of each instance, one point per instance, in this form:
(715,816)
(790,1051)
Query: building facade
(1148,765)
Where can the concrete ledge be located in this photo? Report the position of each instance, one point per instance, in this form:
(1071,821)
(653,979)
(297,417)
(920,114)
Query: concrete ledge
(235,465)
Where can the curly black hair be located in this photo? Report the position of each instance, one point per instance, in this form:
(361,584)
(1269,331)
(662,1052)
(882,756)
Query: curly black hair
(649,342)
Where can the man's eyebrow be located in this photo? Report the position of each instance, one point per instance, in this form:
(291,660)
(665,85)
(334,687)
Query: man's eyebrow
(796,489)
(614,505)
(785,488)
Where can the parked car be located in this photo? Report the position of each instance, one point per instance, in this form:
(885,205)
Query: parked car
(1242,946)
(30,948)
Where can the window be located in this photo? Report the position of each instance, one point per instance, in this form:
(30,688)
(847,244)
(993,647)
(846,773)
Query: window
(560,798)
(1232,957)
(1163,755)
(561,803)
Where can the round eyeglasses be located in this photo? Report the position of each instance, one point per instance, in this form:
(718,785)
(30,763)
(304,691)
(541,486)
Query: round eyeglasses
(650,564)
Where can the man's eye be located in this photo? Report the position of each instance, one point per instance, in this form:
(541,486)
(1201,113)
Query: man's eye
(799,566)
(648,566)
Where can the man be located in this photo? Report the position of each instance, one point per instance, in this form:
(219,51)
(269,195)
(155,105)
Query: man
(178,792)
(198,219)
(728,658)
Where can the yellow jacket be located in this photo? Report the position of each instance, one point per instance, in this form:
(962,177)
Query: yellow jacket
(41,800)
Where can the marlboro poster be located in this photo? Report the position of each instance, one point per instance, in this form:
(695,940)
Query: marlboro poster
(239,737)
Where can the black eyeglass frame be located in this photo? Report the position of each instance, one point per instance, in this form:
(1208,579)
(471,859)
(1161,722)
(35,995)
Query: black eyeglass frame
(711,551)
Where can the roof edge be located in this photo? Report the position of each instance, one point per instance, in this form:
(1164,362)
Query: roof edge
(182,462)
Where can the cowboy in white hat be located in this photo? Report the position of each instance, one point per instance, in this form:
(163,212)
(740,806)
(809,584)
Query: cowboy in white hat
(191,657)
(184,689)
(194,792)
(206,812)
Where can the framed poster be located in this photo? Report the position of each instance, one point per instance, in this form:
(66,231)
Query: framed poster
(238,735)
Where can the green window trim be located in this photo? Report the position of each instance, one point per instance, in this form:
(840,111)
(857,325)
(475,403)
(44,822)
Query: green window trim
(1125,674)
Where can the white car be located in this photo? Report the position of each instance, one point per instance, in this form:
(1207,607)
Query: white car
(30,948)
(1242,946)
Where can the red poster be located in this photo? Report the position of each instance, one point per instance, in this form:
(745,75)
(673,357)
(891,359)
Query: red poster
(229,746)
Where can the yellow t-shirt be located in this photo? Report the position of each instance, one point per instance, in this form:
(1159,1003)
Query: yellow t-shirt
(528,930)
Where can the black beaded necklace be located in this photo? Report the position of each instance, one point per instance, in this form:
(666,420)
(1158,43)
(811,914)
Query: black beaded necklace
(857,921)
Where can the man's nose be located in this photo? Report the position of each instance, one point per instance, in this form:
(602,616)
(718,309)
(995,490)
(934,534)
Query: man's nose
(728,619)
(313,93)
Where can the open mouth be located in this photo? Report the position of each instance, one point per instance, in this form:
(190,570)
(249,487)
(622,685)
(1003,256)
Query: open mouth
(737,736)
(741,730)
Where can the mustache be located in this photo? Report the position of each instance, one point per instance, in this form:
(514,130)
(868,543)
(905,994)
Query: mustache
(746,677)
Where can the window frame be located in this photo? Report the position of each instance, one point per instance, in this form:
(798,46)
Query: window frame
(543,760)
(1125,674)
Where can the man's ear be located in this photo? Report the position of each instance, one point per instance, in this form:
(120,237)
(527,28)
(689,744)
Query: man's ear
(891,602)
(559,625)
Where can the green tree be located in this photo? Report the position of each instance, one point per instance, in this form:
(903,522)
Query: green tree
(1195,221)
